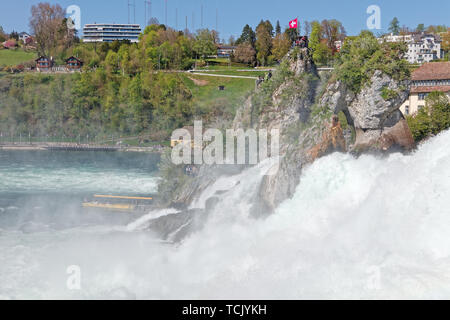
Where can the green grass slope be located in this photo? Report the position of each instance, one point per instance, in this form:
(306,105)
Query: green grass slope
(14,57)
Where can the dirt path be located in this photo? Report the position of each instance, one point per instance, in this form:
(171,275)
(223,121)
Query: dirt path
(222,76)
(198,82)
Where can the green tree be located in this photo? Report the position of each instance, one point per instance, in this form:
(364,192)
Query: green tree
(437,29)
(281,46)
(123,59)
(316,35)
(318,44)
(394,26)
(204,44)
(14,35)
(432,119)
(360,56)
(2,35)
(111,62)
(420,27)
(278,28)
(264,32)
(291,34)
(248,36)
(445,45)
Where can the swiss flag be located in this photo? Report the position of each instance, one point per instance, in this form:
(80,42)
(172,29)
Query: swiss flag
(293,24)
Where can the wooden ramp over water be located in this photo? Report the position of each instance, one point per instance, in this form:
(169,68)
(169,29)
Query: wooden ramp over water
(81,148)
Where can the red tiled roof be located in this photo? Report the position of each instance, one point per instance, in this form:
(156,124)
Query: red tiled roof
(430,89)
(432,71)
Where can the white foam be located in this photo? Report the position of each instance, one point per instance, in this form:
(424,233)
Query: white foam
(356,228)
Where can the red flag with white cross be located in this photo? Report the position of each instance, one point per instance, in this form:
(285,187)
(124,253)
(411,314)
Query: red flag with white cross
(293,24)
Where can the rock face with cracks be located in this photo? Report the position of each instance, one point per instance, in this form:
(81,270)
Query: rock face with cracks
(373,112)
(304,109)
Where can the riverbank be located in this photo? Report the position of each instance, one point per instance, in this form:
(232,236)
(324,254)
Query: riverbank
(80,147)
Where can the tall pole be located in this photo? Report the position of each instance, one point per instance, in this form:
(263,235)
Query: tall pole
(217,20)
(176,18)
(145,13)
(130,4)
(186,25)
(148,9)
(166,13)
(128,11)
(201,20)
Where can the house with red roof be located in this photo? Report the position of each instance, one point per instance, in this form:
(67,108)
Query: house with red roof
(432,76)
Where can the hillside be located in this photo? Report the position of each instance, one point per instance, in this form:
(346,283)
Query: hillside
(310,113)
(101,104)
(10,58)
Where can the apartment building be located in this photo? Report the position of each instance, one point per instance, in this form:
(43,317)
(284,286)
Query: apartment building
(109,32)
(422,48)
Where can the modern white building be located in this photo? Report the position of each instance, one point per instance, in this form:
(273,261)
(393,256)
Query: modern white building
(421,47)
(109,32)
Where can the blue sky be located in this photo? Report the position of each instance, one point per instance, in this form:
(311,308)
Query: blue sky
(234,14)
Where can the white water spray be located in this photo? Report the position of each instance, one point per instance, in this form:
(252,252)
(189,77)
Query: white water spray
(355,228)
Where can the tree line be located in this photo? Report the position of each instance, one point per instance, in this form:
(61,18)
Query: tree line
(266,45)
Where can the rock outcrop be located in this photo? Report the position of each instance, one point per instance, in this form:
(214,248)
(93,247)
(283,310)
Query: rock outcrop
(332,140)
(373,112)
(304,108)
(311,131)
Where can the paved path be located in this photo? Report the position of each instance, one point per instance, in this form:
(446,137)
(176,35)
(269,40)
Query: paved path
(222,75)
(325,69)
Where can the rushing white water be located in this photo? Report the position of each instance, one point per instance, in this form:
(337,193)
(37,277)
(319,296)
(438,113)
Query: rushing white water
(355,228)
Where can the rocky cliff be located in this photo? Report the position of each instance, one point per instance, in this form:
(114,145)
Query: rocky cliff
(306,109)
(373,112)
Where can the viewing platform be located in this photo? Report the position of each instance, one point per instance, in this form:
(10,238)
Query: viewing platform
(77,147)
(80,147)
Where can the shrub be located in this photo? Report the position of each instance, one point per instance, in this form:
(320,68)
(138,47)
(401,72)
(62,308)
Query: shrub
(432,119)
(388,94)
(362,55)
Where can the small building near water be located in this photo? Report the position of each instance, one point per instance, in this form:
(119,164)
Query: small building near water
(73,63)
(189,134)
(44,64)
(178,140)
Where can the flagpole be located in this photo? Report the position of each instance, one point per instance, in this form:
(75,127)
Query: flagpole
(298,27)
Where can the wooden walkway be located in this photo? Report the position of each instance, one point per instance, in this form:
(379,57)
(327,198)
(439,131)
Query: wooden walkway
(82,148)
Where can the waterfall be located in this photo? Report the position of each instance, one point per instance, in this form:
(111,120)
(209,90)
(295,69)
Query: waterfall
(364,227)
